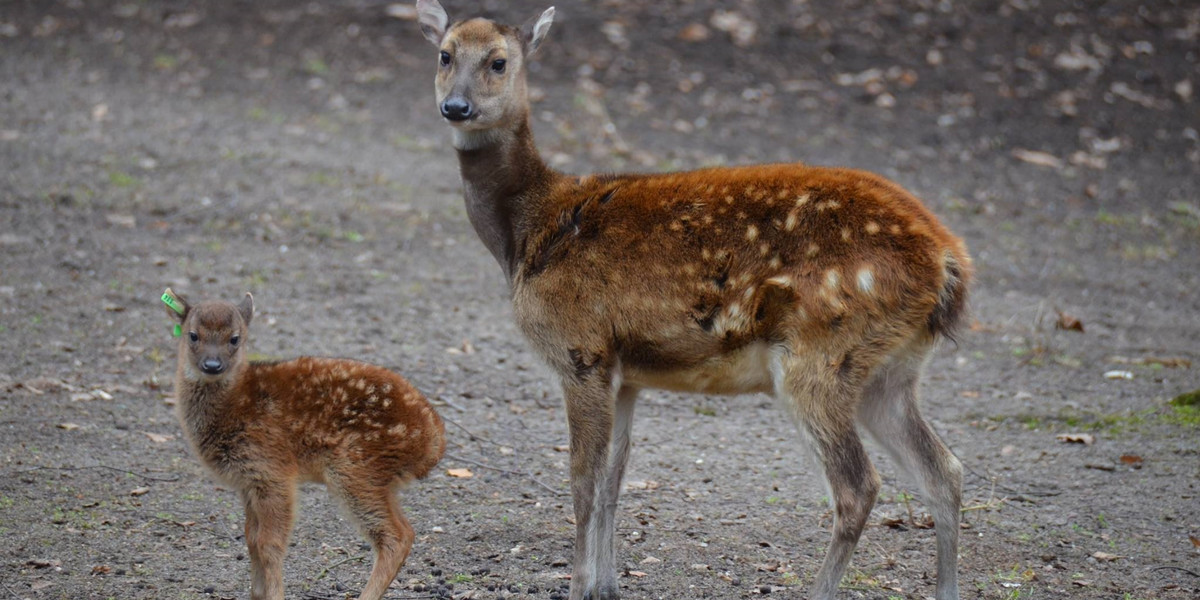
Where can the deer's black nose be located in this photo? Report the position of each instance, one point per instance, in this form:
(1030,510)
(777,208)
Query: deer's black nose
(212,366)
(457,109)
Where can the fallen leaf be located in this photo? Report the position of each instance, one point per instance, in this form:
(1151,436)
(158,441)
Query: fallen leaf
(650,560)
(1106,557)
(1068,322)
(43,563)
(1034,157)
(696,32)
(1131,459)
(1168,362)
(126,221)
(1081,583)
(158,438)
(1118,374)
(1076,438)
(1195,541)
(141,491)
(40,585)
(407,12)
(641,485)
(636,574)
(969,394)
(101,570)
(460,473)
(68,426)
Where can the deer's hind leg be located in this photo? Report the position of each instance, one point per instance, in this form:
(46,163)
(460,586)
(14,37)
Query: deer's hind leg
(374,507)
(891,414)
(822,397)
(269,515)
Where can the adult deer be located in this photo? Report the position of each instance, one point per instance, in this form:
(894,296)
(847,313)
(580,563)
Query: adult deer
(827,288)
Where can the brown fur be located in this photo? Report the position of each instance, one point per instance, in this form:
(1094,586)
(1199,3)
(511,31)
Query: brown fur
(263,428)
(825,287)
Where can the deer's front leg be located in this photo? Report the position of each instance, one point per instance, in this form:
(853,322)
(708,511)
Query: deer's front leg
(599,419)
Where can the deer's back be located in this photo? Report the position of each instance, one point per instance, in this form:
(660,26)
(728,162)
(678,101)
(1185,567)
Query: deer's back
(672,270)
(310,414)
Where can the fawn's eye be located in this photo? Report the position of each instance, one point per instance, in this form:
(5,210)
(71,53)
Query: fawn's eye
(192,335)
(498,65)
(444,58)
(233,341)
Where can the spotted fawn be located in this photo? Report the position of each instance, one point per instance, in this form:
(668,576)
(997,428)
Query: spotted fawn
(826,288)
(265,427)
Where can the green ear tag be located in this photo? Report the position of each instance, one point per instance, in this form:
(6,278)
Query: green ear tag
(169,300)
(171,303)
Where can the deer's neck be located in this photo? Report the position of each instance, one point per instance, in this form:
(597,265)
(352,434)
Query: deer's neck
(201,402)
(503,179)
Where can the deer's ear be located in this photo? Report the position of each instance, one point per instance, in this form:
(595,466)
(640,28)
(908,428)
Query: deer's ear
(533,32)
(177,306)
(246,308)
(433,20)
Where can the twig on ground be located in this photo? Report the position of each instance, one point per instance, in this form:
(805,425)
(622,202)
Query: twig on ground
(1174,568)
(339,563)
(508,472)
(9,590)
(474,436)
(147,477)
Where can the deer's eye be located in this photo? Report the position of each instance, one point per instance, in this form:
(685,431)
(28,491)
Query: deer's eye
(192,335)
(233,341)
(444,58)
(498,65)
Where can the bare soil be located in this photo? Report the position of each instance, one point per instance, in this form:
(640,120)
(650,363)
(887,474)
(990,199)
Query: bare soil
(294,150)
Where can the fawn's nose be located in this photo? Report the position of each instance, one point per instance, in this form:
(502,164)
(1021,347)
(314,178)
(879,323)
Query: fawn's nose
(457,108)
(212,366)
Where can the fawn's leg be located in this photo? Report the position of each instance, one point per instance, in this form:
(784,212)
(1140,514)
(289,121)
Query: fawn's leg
(599,423)
(375,509)
(823,406)
(269,513)
(890,413)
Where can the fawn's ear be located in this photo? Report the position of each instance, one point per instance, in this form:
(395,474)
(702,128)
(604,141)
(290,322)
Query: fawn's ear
(535,30)
(246,308)
(433,20)
(177,306)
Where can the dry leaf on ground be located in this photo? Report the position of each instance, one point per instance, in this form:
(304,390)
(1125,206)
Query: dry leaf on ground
(1131,459)
(1034,157)
(460,473)
(1076,438)
(1068,322)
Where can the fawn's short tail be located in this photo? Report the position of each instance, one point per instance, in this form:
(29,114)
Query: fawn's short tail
(951,307)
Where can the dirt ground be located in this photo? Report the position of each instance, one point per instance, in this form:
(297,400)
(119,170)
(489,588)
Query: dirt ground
(293,150)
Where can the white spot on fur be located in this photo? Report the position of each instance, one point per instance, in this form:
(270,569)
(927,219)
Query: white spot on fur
(866,280)
(792,220)
(752,233)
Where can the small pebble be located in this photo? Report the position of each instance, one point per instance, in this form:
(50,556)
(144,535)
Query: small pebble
(766,589)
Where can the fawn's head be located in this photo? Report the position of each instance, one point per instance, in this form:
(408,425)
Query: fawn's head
(481,66)
(213,334)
